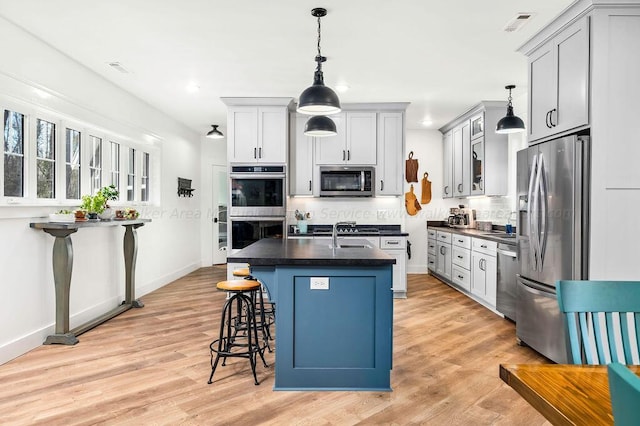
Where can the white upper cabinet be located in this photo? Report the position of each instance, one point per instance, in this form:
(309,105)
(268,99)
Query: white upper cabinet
(559,83)
(475,159)
(301,157)
(390,171)
(257,133)
(447,166)
(355,142)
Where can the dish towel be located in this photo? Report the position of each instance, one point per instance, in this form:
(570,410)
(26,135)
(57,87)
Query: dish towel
(426,189)
(411,169)
(411,202)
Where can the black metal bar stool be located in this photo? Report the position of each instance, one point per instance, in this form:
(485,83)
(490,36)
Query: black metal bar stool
(235,341)
(265,311)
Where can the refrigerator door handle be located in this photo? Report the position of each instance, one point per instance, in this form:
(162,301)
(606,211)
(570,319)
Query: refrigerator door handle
(537,197)
(543,193)
(536,288)
(530,209)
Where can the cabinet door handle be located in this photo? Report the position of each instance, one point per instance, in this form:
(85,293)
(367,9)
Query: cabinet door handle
(442,250)
(260,152)
(343,155)
(309,185)
(551,117)
(348,155)
(547,119)
(255,150)
(381,185)
(482,264)
(446,189)
(460,277)
(459,187)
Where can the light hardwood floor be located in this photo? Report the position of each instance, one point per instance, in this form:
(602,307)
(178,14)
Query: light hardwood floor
(151,366)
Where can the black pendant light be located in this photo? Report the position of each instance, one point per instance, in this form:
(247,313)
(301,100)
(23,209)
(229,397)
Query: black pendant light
(320,126)
(319,99)
(510,123)
(215,133)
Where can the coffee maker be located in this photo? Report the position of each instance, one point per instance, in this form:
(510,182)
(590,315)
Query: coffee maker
(462,217)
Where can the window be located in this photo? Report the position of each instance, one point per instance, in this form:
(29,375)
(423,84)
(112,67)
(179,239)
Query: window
(144,187)
(115,164)
(131,175)
(95,164)
(73,164)
(13,154)
(45,159)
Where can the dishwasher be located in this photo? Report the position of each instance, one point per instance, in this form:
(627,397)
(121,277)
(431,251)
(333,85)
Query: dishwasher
(507,283)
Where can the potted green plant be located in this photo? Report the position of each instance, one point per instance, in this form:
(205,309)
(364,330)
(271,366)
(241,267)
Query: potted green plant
(109,193)
(93,204)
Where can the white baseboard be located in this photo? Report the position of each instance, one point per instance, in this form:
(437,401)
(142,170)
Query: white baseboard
(34,339)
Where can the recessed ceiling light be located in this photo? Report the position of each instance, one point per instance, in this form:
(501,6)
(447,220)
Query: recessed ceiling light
(192,87)
(427,122)
(118,67)
(342,88)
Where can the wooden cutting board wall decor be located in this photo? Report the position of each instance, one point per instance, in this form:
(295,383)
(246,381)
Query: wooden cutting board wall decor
(426,189)
(411,171)
(411,202)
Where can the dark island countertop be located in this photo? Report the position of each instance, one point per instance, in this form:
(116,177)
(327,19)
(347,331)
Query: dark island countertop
(308,252)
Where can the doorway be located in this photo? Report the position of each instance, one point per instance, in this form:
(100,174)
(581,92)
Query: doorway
(220,199)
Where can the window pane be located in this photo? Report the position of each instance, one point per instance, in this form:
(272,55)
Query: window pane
(144,189)
(73,182)
(46,139)
(95,164)
(13,132)
(131,176)
(72,142)
(115,164)
(13,175)
(46,178)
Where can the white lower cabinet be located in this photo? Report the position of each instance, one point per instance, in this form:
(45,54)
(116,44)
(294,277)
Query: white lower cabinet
(461,261)
(443,255)
(484,271)
(396,247)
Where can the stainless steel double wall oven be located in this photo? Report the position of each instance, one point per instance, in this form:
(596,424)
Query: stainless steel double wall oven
(257,203)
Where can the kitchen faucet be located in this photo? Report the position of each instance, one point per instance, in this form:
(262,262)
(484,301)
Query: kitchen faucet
(334,235)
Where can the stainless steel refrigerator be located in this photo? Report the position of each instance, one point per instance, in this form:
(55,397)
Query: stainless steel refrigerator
(553,227)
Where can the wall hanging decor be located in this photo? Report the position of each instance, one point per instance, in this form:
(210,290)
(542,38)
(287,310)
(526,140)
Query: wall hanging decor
(184,187)
(426,189)
(411,171)
(411,202)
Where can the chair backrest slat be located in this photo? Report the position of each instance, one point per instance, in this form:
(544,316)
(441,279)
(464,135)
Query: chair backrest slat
(603,320)
(624,387)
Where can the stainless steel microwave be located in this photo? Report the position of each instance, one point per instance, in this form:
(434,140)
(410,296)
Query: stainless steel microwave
(346,181)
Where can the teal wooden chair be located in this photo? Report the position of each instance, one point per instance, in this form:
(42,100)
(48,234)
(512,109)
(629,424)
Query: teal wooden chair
(624,388)
(603,320)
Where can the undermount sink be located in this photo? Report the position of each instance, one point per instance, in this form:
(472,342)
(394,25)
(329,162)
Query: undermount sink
(499,234)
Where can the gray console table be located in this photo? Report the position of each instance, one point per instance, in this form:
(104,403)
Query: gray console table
(63,265)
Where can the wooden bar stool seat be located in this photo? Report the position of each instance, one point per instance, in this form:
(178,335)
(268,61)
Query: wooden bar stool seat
(237,340)
(241,272)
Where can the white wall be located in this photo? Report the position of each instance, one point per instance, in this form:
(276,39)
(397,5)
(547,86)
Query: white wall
(169,247)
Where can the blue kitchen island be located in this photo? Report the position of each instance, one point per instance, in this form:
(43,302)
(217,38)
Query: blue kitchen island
(334,321)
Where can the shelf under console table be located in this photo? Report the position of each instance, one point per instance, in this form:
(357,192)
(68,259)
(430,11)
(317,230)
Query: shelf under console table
(63,265)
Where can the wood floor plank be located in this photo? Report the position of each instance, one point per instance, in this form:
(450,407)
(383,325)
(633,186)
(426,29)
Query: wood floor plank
(151,366)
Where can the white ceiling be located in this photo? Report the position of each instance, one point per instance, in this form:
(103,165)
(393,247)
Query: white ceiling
(442,56)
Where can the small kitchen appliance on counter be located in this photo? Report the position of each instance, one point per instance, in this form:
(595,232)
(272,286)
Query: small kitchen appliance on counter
(461,217)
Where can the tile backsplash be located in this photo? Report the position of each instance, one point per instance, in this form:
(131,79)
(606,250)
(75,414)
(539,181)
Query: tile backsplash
(497,210)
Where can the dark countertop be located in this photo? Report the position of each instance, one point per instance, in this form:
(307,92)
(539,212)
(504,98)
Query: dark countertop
(276,251)
(496,235)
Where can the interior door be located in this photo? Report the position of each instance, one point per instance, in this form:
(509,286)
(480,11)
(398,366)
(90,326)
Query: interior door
(219,209)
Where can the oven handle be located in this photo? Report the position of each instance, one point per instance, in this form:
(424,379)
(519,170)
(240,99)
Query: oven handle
(257,176)
(256,218)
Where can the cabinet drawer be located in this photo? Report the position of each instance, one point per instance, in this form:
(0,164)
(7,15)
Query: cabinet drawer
(431,246)
(431,262)
(393,243)
(443,237)
(431,233)
(461,277)
(461,257)
(463,241)
(484,246)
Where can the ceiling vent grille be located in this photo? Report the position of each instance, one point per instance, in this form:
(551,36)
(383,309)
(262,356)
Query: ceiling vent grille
(517,22)
(118,67)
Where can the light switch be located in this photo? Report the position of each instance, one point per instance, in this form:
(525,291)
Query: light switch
(319,283)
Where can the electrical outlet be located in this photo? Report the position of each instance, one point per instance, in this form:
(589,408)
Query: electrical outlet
(319,283)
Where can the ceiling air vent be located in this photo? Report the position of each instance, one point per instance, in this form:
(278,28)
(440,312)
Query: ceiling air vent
(517,22)
(118,67)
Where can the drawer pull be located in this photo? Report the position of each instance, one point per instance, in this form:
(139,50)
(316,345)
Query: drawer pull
(460,257)
(461,277)
(393,242)
(483,246)
(461,241)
